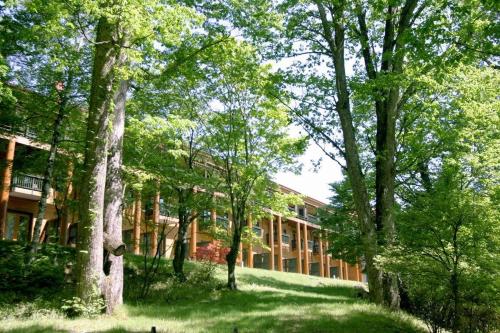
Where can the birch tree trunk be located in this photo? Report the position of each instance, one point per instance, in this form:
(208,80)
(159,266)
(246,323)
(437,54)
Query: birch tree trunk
(49,169)
(90,249)
(112,287)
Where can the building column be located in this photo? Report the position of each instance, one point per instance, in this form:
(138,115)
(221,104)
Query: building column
(271,242)
(156,223)
(280,245)
(240,254)
(213,216)
(6,180)
(299,250)
(306,252)
(358,272)
(194,240)
(327,259)
(341,269)
(63,230)
(321,259)
(137,223)
(250,246)
(346,271)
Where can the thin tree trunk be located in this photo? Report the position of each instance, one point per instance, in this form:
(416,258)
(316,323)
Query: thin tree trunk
(49,169)
(180,246)
(112,287)
(90,253)
(66,212)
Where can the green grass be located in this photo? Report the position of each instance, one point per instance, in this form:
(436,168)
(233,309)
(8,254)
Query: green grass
(265,302)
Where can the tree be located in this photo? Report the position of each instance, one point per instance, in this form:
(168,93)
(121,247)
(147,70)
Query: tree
(48,65)
(120,29)
(390,43)
(447,251)
(247,136)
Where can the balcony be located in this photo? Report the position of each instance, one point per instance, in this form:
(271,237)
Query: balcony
(28,187)
(257,231)
(313,219)
(27,182)
(285,239)
(24,131)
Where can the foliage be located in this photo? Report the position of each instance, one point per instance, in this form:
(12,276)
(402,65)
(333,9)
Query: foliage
(448,247)
(338,220)
(45,272)
(76,307)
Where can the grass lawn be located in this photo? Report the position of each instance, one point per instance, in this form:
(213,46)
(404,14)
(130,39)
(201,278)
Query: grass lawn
(265,302)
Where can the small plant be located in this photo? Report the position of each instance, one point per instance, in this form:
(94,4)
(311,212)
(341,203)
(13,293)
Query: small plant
(77,307)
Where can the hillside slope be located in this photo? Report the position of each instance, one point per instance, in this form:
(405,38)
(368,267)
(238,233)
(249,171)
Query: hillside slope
(266,302)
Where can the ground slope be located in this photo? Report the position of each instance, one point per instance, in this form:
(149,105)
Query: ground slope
(266,302)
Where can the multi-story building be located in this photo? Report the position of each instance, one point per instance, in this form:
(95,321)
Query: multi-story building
(292,243)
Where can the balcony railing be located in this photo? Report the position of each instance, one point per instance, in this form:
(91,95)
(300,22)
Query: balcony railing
(27,182)
(222,221)
(26,131)
(312,218)
(285,239)
(257,231)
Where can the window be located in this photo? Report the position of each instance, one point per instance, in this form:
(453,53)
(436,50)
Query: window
(18,226)
(302,212)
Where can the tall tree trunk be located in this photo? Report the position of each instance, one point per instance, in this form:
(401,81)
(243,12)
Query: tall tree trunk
(232,256)
(112,287)
(335,39)
(90,249)
(49,168)
(66,211)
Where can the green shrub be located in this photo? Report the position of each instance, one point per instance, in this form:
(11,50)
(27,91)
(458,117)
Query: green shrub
(199,282)
(76,307)
(28,276)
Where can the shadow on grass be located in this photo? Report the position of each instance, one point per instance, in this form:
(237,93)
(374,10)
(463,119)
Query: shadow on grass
(51,329)
(272,311)
(332,290)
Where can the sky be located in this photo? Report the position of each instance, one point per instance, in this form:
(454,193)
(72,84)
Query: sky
(309,182)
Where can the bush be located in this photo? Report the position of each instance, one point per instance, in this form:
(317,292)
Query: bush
(164,286)
(199,283)
(76,307)
(28,276)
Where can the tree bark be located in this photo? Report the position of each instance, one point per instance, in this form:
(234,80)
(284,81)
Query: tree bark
(232,256)
(112,287)
(90,249)
(49,169)
(180,246)
(66,211)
